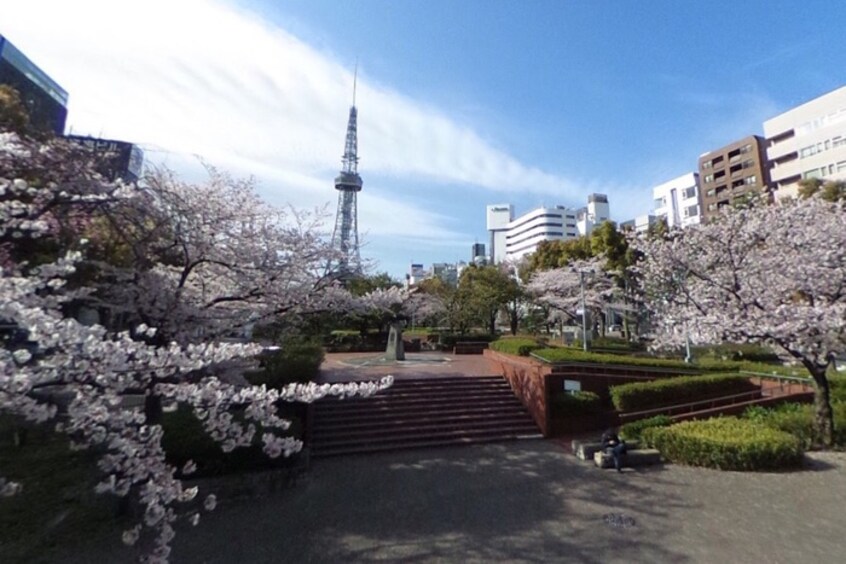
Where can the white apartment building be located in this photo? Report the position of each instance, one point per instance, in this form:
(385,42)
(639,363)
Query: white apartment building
(808,141)
(640,224)
(677,201)
(498,218)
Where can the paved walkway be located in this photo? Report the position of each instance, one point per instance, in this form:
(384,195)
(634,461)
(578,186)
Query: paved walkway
(341,367)
(525,502)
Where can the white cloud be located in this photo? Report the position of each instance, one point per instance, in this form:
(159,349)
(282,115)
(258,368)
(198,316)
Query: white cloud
(203,77)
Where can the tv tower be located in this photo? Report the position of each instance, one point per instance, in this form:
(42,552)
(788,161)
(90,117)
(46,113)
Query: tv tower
(348,184)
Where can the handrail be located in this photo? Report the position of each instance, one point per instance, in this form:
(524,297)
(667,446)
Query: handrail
(690,406)
(775,376)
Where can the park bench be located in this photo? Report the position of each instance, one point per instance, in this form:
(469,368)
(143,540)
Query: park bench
(470,347)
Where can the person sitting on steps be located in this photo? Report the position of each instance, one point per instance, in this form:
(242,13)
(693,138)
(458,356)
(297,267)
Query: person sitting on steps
(613,445)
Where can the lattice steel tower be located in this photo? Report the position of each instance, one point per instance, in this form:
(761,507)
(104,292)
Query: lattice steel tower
(348,184)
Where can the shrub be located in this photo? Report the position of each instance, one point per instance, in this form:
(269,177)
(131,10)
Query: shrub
(726,443)
(517,346)
(575,403)
(185,439)
(293,362)
(638,396)
(797,419)
(633,431)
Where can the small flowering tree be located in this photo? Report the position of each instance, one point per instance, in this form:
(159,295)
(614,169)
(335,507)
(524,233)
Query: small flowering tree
(53,368)
(771,274)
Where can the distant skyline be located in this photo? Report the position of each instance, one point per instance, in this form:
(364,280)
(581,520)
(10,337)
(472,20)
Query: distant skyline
(461,104)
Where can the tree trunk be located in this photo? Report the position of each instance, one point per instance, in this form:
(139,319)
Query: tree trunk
(153,409)
(514,322)
(824,416)
(492,324)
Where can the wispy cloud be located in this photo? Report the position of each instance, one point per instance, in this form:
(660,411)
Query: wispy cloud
(204,77)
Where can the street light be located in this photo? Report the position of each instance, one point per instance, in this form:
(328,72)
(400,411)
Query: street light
(582,273)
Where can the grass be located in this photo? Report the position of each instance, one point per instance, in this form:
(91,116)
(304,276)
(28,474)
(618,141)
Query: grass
(57,507)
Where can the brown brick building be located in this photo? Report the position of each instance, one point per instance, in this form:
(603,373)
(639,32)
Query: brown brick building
(729,174)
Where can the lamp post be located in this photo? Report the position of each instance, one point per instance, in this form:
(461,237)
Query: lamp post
(584,307)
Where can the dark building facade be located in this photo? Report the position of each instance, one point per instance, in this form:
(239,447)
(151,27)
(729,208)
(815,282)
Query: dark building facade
(45,101)
(478,251)
(731,174)
(115,159)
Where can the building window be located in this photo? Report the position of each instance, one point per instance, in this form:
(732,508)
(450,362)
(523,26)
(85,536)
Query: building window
(748,164)
(746,148)
(691,211)
(841,166)
(751,180)
(660,202)
(709,178)
(706,165)
(711,193)
(813,173)
(689,192)
(838,141)
(712,206)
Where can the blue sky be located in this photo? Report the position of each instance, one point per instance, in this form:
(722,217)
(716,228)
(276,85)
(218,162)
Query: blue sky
(461,104)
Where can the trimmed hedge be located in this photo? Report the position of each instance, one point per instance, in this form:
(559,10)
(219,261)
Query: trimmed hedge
(638,396)
(726,443)
(798,420)
(634,431)
(571,354)
(516,346)
(737,352)
(576,403)
(448,340)
(568,354)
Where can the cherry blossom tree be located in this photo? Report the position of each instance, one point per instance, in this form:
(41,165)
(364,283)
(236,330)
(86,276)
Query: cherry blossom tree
(560,289)
(200,261)
(771,274)
(53,368)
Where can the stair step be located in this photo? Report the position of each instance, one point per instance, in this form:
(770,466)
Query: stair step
(421,444)
(376,401)
(401,425)
(372,442)
(421,412)
(386,413)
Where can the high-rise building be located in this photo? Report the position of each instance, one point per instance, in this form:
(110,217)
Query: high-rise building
(677,201)
(526,232)
(521,236)
(477,254)
(115,159)
(596,213)
(45,101)
(808,141)
(732,173)
(498,218)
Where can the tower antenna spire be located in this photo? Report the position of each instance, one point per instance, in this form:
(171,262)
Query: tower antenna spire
(355,80)
(348,184)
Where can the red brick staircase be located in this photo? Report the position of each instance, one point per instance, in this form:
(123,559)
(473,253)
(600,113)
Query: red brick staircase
(418,413)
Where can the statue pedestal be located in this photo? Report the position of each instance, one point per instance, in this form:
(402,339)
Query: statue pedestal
(395,350)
